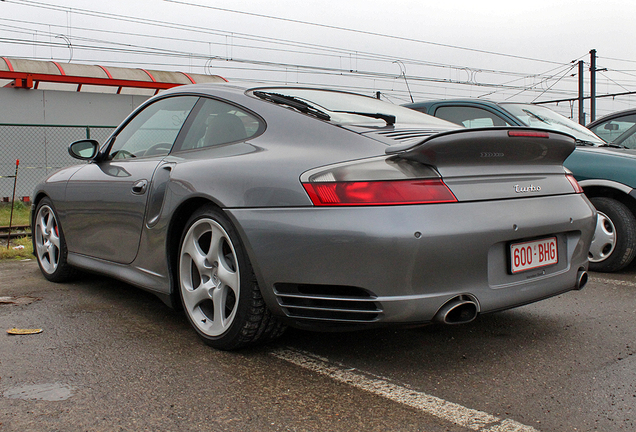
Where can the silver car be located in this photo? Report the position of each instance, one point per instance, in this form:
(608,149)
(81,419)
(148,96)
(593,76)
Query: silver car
(260,207)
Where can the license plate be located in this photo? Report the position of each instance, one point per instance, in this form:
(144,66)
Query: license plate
(533,254)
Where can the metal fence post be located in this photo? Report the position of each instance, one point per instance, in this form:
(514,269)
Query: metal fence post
(15,182)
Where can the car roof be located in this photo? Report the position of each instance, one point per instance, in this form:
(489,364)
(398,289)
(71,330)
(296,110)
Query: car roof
(244,86)
(496,107)
(482,102)
(426,104)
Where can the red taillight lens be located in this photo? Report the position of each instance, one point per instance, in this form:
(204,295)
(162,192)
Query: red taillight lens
(379,192)
(577,187)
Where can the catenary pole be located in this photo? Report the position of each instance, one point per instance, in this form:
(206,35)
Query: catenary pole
(581,98)
(592,85)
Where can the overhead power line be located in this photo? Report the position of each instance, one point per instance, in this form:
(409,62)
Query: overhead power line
(243,53)
(199,29)
(319,51)
(298,68)
(358,31)
(333,52)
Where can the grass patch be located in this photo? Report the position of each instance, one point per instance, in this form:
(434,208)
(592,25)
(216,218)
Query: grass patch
(21,213)
(11,253)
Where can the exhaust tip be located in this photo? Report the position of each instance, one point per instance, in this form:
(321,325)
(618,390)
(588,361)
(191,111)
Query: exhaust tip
(458,310)
(581,279)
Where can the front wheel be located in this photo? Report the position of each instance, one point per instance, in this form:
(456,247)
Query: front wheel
(49,244)
(219,292)
(614,244)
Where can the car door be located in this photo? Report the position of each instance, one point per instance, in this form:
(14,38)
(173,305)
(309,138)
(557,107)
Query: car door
(106,200)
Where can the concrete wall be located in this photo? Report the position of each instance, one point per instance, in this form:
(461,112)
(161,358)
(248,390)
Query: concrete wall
(27,106)
(36,127)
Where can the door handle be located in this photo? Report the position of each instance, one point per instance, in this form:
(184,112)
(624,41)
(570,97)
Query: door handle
(139,188)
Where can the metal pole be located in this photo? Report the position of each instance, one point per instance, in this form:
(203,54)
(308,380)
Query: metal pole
(581,90)
(592,85)
(15,181)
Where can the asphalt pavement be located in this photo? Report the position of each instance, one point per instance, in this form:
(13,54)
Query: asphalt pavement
(111,357)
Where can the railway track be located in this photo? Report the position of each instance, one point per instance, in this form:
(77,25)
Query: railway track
(16,231)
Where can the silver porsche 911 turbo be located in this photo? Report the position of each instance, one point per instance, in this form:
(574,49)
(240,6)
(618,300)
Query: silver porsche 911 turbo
(255,208)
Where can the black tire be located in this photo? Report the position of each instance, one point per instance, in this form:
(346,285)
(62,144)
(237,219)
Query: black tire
(49,244)
(217,286)
(614,243)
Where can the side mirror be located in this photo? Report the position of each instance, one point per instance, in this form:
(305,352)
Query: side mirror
(84,149)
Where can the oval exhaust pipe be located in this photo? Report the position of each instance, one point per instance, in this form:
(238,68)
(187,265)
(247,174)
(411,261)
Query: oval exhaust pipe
(581,279)
(458,310)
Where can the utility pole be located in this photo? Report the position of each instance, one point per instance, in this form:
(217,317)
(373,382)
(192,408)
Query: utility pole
(592,85)
(581,97)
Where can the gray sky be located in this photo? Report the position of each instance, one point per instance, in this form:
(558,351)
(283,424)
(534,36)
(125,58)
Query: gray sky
(501,50)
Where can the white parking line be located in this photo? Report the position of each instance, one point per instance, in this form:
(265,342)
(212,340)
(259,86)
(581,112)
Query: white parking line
(449,411)
(612,281)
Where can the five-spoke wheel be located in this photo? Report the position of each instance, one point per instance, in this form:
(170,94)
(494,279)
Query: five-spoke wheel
(210,278)
(49,244)
(217,285)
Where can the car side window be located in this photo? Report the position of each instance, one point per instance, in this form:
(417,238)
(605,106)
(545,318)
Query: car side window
(153,131)
(217,123)
(619,129)
(470,117)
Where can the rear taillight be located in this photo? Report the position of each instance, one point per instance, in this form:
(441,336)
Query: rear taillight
(389,192)
(577,187)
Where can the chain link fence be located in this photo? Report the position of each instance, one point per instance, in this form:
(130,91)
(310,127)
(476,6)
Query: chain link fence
(41,151)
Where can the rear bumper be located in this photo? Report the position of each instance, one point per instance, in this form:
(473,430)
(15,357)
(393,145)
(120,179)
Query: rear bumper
(399,264)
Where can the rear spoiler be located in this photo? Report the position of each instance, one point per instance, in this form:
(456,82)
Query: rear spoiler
(489,147)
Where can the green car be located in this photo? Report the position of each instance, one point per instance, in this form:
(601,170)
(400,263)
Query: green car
(606,171)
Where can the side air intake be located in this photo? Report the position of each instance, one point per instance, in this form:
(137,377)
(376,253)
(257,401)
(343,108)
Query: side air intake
(327,303)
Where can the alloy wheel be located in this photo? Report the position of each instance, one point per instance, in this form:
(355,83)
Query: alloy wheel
(47,239)
(209,277)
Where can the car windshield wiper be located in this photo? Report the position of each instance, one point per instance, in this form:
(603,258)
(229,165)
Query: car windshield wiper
(388,118)
(293,102)
(612,145)
(580,142)
(531,114)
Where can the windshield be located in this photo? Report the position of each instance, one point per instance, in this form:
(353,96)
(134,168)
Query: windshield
(542,117)
(349,108)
